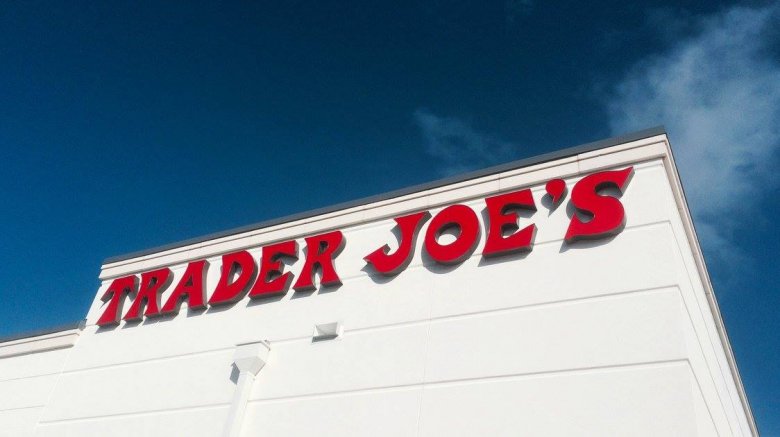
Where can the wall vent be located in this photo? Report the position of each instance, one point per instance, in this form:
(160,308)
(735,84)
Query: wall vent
(327,331)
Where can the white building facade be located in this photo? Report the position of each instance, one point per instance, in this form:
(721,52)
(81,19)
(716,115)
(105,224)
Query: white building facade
(560,295)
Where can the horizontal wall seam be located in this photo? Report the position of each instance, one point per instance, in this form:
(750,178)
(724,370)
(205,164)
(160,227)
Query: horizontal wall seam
(449,317)
(135,414)
(151,360)
(452,382)
(307,338)
(27,407)
(41,375)
(482,379)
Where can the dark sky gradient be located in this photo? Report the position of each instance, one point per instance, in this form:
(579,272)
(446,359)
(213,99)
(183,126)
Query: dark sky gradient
(127,126)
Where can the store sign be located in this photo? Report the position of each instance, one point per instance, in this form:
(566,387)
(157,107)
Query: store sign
(241,274)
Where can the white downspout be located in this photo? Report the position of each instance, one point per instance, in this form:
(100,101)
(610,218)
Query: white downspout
(249,359)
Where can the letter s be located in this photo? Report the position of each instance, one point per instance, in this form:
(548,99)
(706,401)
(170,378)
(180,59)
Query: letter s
(607,214)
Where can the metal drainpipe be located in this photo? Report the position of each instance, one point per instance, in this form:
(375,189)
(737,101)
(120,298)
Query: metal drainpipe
(249,359)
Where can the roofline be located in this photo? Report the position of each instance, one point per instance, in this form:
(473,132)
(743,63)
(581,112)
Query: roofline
(546,157)
(45,331)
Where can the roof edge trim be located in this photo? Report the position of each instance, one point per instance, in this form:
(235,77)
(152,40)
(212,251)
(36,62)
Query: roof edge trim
(525,162)
(41,332)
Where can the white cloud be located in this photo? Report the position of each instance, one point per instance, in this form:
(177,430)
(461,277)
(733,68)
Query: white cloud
(457,146)
(718,94)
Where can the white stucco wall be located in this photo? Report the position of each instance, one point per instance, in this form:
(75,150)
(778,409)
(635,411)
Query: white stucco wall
(29,370)
(610,337)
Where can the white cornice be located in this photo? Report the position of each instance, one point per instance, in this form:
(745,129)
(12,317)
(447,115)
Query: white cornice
(631,152)
(41,343)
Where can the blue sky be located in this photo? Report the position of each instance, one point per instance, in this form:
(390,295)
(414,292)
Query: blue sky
(127,126)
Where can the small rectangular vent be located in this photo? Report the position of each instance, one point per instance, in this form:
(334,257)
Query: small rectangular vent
(327,331)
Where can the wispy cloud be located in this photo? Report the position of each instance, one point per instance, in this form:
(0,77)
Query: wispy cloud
(718,94)
(457,146)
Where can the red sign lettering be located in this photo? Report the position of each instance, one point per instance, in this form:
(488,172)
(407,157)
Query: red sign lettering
(152,283)
(501,219)
(556,188)
(456,216)
(238,268)
(272,280)
(607,215)
(190,289)
(115,295)
(391,264)
(604,216)
(320,253)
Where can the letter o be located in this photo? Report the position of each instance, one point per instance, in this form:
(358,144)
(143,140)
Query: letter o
(462,217)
